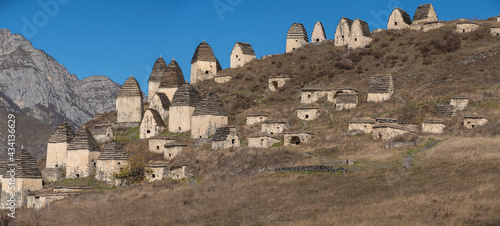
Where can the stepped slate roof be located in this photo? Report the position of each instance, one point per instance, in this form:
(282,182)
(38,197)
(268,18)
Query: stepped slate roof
(204,53)
(361,120)
(222,133)
(130,88)
(26,166)
(422,12)
(173,76)
(365,29)
(156,117)
(158,70)
(186,95)
(445,110)
(380,84)
(164,101)
(3,167)
(245,48)
(475,117)
(309,107)
(63,133)
(297,31)
(210,104)
(258,114)
(258,135)
(347,98)
(84,140)
(113,151)
(394,126)
(405,15)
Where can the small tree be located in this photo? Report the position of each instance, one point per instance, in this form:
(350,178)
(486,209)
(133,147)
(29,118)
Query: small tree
(135,171)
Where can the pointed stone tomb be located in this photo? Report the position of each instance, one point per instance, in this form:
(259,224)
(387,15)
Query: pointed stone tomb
(172,80)
(151,125)
(83,152)
(129,102)
(318,34)
(398,20)
(360,34)
(241,54)
(183,104)
(209,115)
(112,159)
(27,179)
(343,32)
(157,74)
(57,146)
(204,65)
(161,104)
(225,137)
(296,37)
(424,14)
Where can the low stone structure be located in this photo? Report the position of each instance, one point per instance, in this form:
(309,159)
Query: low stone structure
(433,126)
(39,201)
(474,121)
(241,54)
(460,103)
(278,82)
(159,170)
(262,140)
(445,110)
(102,133)
(223,78)
(160,103)
(466,27)
(498,18)
(398,20)
(225,137)
(346,101)
(386,120)
(171,81)
(151,125)
(387,131)
(83,152)
(365,125)
(381,88)
(157,144)
(27,178)
(425,13)
(333,93)
(255,118)
(111,160)
(495,31)
(318,34)
(157,74)
(296,37)
(181,109)
(204,65)
(273,126)
(293,138)
(129,102)
(310,95)
(308,112)
(173,149)
(208,115)
(432,25)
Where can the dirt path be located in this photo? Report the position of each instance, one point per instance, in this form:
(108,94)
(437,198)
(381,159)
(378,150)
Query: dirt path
(408,160)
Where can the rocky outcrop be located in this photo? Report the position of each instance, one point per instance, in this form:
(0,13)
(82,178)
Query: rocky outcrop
(44,89)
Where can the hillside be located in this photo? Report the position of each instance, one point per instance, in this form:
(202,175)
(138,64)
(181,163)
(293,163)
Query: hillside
(453,180)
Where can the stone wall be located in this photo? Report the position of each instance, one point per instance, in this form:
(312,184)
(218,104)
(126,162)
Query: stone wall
(331,95)
(308,114)
(203,70)
(360,35)
(129,109)
(293,139)
(157,145)
(41,201)
(433,127)
(318,34)
(80,163)
(460,103)
(276,83)
(104,137)
(366,127)
(156,104)
(311,96)
(150,126)
(56,154)
(239,59)
(343,31)
(262,141)
(317,168)
(21,188)
(204,126)
(466,27)
(180,118)
(223,78)
(432,25)
(378,97)
(106,169)
(387,133)
(254,119)
(53,174)
(169,92)
(398,20)
(470,123)
(273,127)
(172,150)
(154,87)
(293,44)
(495,31)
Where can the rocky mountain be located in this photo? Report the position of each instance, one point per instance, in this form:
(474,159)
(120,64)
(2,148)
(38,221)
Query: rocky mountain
(44,89)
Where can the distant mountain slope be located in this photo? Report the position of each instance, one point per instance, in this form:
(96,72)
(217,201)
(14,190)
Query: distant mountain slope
(45,90)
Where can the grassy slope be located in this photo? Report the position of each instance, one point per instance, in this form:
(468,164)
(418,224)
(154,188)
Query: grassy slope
(455,182)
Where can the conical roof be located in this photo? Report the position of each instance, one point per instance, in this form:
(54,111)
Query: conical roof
(173,77)
(130,88)
(113,151)
(26,166)
(204,53)
(84,140)
(63,133)
(210,104)
(158,70)
(297,31)
(186,95)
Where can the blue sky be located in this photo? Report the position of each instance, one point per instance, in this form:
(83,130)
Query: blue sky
(119,38)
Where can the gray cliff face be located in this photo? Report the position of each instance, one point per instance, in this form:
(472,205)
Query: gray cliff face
(44,89)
